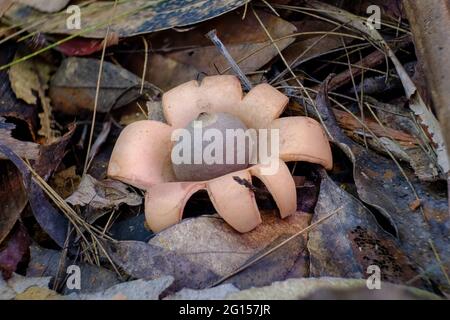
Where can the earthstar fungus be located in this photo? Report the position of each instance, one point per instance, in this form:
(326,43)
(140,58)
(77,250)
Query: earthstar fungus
(142,154)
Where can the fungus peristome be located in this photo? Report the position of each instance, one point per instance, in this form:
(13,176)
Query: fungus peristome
(142,154)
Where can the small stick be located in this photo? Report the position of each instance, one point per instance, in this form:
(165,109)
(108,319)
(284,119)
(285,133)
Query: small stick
(212,35)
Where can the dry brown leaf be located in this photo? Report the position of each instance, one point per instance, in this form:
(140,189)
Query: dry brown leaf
(105,194)
(29,81)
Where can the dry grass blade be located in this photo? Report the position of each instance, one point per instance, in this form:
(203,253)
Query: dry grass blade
(310,100)
(417,105)
(97,89)
(259,258)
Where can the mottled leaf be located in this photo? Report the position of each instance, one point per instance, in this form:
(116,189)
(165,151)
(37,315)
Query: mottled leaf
(349,242)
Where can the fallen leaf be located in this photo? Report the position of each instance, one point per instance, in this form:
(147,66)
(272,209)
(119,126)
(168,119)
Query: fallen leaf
(73,87)
(48,263)
(146,261)
(132,228)
(106,194)
(383,185)
(163,71)
(132,18)
(246,41)
(348,243)
(299,289)
(65,182)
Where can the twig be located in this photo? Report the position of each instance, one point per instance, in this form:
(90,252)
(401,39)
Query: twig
(212,35)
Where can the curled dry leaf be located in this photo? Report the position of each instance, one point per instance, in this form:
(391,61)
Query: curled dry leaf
(106,194)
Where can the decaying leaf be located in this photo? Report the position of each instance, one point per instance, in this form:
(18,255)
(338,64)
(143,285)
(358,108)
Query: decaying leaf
(72,88)
(298,289)
(132,18)
(383,184)
(106,194)
(210,242)
(348,243)
(146,261)
(65,182)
